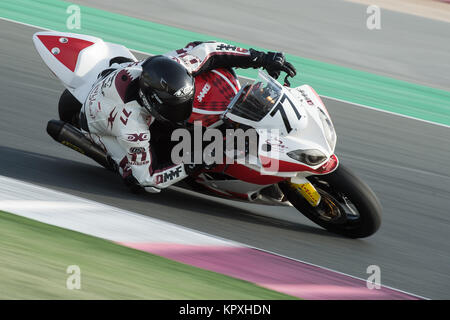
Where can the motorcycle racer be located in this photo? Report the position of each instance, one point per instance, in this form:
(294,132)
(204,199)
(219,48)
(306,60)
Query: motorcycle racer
(129,97)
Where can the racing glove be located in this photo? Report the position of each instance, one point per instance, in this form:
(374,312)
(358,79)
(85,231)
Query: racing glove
(273,62)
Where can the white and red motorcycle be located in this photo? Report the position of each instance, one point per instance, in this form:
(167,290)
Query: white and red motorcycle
(297,167)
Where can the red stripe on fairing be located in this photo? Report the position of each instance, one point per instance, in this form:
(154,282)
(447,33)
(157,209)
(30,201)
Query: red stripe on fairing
(320,100)
(268,270)
(69,51)
(244,173)
(285,166)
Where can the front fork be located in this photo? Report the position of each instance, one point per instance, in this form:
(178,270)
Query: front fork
(306,189)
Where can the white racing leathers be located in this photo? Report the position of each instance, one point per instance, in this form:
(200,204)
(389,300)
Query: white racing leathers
(199,57)
(118,123)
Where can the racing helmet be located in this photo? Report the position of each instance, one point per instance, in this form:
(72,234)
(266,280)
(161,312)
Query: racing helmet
(166,89)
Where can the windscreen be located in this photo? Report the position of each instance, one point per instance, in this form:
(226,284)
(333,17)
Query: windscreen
(257,99)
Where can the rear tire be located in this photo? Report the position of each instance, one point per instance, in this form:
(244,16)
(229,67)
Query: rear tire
(348,206)
(68,108)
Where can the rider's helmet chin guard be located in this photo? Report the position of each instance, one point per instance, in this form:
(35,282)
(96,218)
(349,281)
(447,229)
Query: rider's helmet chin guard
(166,89)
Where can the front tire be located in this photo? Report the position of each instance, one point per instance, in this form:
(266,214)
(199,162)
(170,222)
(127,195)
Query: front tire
(348,206)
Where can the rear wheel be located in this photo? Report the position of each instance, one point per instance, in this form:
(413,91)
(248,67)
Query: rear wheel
(348,206)
(68,108)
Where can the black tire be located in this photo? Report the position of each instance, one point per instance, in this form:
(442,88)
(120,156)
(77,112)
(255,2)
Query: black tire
(356,197)
(68,108)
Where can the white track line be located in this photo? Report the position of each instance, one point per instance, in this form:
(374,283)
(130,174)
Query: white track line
(111,223)
(251,79)
(94,218)
(25,24)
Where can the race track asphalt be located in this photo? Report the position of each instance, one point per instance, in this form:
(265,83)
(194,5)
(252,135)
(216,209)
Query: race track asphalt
(407,47)
(405,161)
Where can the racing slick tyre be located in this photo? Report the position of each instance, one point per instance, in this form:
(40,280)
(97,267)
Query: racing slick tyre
(348,206)
(68,108)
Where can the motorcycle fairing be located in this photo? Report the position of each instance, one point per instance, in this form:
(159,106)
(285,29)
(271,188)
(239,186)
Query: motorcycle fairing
(293,122)
(77,59)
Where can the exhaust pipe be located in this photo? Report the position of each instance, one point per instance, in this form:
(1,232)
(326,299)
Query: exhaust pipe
(71,137)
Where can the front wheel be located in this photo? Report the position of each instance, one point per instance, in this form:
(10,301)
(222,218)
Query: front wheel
(348,206)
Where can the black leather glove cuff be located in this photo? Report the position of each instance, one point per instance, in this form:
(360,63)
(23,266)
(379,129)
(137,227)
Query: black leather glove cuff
(257,58)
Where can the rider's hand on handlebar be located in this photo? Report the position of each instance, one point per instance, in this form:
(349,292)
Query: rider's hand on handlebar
(275,62)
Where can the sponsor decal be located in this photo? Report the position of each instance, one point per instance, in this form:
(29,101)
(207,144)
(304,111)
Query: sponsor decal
(180,51)
(93,95)
(307,98)
(183,92)
(309,193)
(137,150)
(138,137)
(204,91)
(276,144)
(143,159)
(228,47)
(168,175)
(139,163)
(107,83)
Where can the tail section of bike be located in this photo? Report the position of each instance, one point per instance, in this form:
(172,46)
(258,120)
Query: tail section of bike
(77,59)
